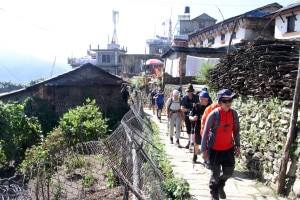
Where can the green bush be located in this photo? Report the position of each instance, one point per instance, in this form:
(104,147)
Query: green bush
(202,76)
(18,132)
(176,188)
(83,123)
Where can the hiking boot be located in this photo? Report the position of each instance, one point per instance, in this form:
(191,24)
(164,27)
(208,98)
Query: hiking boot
(194,158)
(177,143)
(222,193)
(171,140)
(187,146)
(214,196)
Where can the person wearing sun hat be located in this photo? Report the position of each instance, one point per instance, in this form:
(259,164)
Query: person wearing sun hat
(187,103)
(195,116)
(173,112)
(220,141)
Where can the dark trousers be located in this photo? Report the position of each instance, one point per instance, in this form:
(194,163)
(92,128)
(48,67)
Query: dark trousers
(188,123)
(220,160)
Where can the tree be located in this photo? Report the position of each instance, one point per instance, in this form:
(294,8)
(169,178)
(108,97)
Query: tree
(18,132)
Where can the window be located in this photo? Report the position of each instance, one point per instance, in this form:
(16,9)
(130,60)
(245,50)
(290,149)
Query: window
(222,37)
(234,35)
(105,58)
(212,41)
(290,24)
(201,24)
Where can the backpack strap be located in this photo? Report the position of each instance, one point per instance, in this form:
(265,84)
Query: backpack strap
(217,118)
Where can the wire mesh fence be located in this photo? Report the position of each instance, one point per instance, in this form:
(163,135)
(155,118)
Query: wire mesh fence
(118,167)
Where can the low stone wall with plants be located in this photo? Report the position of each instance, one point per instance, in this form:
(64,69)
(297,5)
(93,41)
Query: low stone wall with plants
(264,128)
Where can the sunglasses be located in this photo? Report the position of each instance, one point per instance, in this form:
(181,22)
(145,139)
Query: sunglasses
(226,101)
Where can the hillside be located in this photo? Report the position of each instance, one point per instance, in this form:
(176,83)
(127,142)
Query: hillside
(20,68)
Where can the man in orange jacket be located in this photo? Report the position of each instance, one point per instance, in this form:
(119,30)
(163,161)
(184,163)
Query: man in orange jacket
(220,142)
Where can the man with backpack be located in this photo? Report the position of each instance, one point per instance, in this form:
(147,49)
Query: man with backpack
(188,101)
(195,116)
(173,112)
(220,142)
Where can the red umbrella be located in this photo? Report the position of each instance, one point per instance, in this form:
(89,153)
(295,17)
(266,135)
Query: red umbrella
(154,62)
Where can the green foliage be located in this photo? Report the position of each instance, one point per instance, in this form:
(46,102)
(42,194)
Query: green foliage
(138,82)
(17,133)
(41,109)
(9,86)
(110,179)
(74,162)
(59,191)
(202,76)
(81,124)
(176,188)
(33,82)
(84,123)
(88,180)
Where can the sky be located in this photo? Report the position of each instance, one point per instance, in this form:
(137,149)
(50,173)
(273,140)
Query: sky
(58,29)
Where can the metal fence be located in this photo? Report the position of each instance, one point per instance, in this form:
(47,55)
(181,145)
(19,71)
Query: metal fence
(85,171)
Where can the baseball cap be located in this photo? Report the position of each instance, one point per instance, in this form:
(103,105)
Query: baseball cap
(204,94)
(225,93)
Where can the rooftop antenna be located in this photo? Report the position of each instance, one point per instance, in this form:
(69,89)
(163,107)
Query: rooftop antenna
(170,27)
(115,18)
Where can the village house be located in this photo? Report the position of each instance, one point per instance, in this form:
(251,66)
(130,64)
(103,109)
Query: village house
(287,24)
(247,26)
(72,88)
(216,40)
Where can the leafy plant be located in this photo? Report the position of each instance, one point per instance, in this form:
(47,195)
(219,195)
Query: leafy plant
(84,123)
(202,75)
(176,188)
(18,132)
(88,180)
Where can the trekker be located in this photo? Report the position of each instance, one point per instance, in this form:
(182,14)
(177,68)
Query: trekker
(159,101)
(206,90)
(152,100)
(124,94)
(187,103)
(195,116)
(221,142)
(173,113)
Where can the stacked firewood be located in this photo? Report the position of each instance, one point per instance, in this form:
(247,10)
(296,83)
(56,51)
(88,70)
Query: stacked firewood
(262,68)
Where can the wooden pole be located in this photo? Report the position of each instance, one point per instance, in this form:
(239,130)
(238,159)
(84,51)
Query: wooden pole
(230,40)
(290,137)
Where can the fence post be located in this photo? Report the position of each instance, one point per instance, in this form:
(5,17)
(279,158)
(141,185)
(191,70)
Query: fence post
(290,137)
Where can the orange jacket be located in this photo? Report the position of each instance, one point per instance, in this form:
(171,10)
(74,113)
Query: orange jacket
(206,113)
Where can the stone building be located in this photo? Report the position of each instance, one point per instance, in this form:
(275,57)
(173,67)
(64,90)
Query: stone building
(72,88)
(247,26)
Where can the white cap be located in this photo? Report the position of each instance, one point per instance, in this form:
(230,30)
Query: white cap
(176,93)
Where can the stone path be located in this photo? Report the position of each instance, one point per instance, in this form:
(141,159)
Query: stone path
(239,187)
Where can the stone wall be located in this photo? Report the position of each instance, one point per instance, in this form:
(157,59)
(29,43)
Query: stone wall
(264,128)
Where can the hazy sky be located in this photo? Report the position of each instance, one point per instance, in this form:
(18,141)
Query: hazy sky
(65,28)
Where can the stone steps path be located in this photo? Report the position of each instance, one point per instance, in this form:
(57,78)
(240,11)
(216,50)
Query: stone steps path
(239,187)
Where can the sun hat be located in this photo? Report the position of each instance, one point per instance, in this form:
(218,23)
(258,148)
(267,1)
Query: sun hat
(204,94)
(190,88)
(176,93)
(225,93)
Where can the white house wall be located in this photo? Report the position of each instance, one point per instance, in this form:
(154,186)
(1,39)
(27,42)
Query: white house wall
(281,27)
